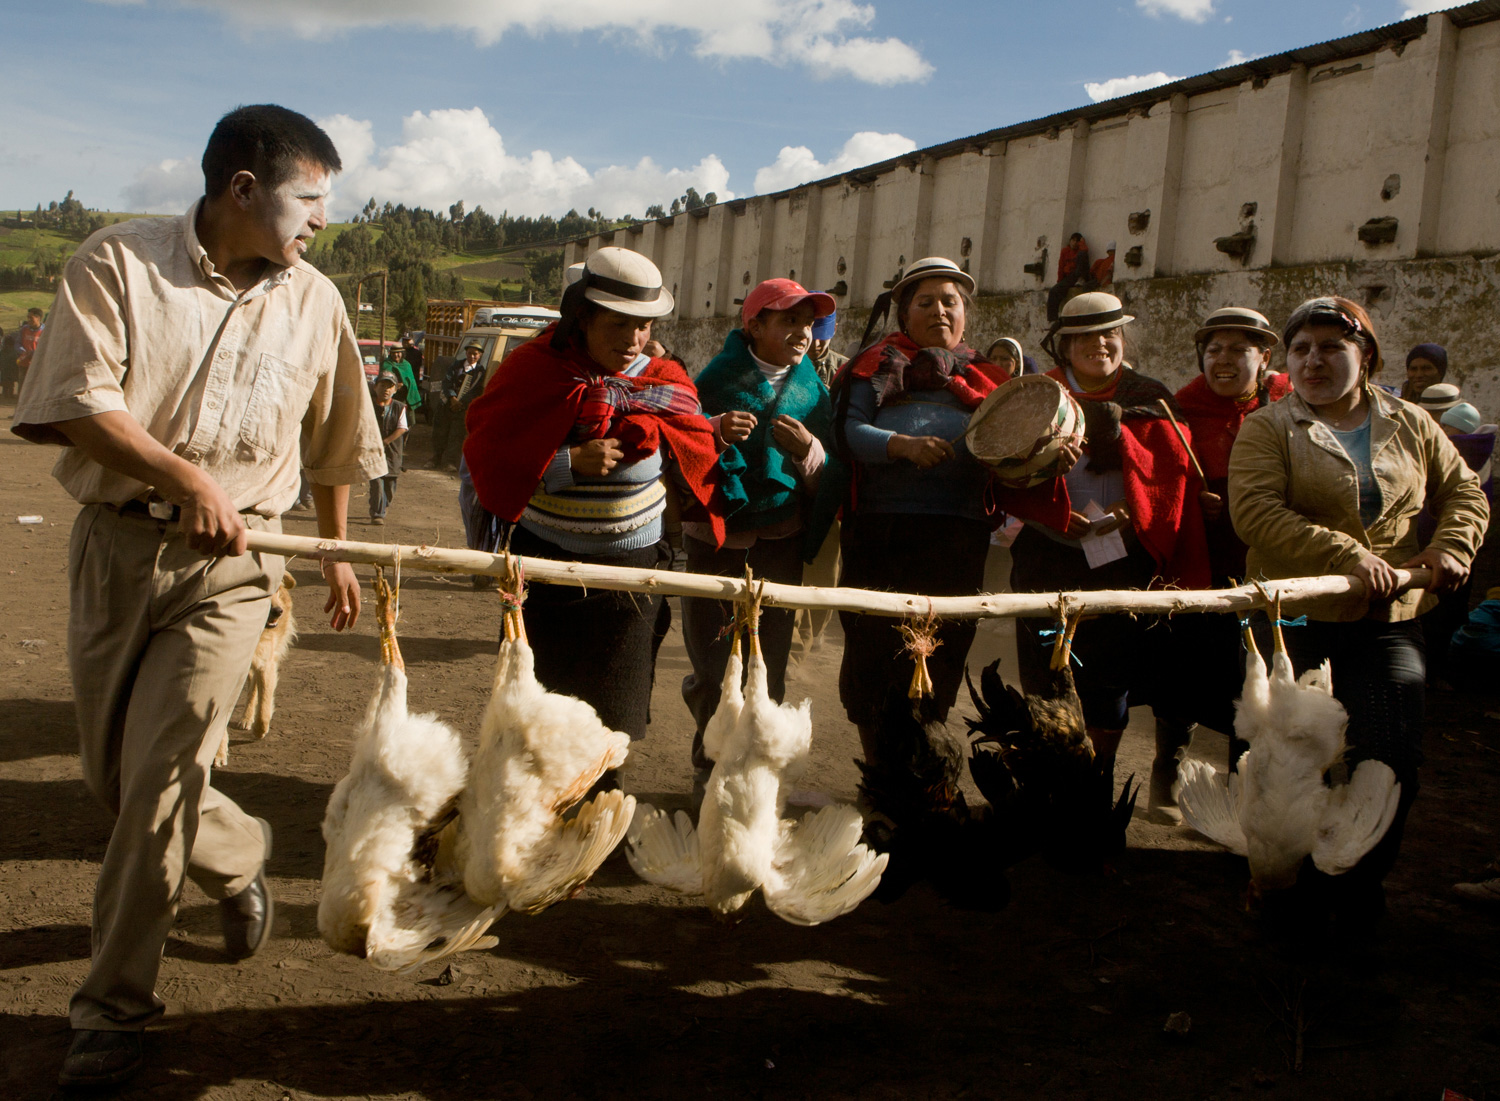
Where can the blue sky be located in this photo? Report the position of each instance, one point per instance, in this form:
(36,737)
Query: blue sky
(538,105)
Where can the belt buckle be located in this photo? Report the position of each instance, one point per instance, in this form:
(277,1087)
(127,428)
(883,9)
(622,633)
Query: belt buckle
(161,510)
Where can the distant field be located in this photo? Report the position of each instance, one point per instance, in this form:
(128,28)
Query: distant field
(19,246)
(491,270)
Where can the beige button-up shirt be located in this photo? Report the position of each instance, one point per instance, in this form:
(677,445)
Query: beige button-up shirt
(231,381)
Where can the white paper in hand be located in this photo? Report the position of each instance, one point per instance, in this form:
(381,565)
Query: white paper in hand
(1100,550)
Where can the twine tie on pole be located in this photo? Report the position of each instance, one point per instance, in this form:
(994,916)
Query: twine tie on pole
(921,643)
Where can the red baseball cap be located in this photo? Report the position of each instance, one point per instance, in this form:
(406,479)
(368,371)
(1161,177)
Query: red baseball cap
(783,294)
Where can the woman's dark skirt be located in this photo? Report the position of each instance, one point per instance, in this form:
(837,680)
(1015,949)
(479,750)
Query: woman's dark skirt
(908,553)
(595,644)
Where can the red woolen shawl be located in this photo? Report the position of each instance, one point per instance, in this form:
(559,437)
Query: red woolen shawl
(1216,420)
(527,411)
(1161,491)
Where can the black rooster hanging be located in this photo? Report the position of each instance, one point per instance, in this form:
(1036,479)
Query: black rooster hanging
(1032,760)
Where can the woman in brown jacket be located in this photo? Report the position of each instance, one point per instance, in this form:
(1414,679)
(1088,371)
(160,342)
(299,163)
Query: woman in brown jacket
(1330,480)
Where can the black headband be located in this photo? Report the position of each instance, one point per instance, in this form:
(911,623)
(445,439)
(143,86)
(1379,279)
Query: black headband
(620,289)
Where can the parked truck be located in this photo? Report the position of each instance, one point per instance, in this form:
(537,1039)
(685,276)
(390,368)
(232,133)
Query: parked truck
(496,327)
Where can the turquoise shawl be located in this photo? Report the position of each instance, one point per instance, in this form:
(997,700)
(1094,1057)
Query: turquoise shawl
(760,479)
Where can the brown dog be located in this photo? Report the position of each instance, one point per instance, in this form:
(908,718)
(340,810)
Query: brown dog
(277,638)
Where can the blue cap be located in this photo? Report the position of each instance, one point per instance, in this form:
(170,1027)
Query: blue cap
(823,326)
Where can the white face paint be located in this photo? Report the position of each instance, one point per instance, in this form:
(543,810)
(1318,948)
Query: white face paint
(1326,365)
(286,217)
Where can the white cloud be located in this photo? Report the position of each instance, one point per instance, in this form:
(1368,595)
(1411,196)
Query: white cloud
(1124,85)
(448,155)
(443,156)
(795,164)
(1422,7)
(1194,11)
(817,33)
(167,187)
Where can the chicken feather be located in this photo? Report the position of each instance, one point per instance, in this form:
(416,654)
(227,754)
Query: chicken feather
(1278,809)
(809,872)
(539,754)
(388,893)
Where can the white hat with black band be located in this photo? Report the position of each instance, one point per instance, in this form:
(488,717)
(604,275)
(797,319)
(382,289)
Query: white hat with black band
(626,282)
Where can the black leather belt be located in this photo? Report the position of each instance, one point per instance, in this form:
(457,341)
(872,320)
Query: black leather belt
(157,510)
(164,511)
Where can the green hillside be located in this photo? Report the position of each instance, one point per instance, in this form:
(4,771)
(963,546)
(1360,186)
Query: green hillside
(480,271)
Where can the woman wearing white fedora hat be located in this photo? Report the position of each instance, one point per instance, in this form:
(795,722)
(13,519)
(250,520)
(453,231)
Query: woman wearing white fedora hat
(914,516)
(1136,482)
(570,443)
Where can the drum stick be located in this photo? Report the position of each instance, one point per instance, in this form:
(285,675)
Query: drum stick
(1178,429)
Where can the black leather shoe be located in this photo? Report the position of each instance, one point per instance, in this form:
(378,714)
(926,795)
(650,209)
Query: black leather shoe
(100,1058)
(247,916)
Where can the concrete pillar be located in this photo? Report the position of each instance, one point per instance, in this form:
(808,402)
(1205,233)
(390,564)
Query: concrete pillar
(648,244)
(860,260)
(765,214)
(1171,185)
(1277,222)
(1435,106)
(721,228)
(921,230)
(988,265)
(812,236)
(1078,163)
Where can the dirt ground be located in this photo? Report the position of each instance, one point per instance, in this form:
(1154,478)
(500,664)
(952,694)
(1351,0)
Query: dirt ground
(632,990)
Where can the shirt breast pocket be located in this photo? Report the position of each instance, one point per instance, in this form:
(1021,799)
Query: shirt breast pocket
(278,400)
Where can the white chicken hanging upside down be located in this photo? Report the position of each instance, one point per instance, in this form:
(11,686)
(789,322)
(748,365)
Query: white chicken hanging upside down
(1277,808)
(809,871)
(392,892)
(539,754)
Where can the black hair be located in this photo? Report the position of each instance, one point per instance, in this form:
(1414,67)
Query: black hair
(577,311)
(267,140)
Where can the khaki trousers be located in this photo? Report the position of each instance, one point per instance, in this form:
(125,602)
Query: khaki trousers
(159,643)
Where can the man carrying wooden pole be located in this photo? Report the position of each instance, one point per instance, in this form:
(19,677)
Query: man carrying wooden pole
(187,362)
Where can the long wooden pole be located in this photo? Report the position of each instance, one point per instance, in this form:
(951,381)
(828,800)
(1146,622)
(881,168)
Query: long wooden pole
(1296,593)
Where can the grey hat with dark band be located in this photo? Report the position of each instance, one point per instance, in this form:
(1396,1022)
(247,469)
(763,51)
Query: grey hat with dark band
(1240,318)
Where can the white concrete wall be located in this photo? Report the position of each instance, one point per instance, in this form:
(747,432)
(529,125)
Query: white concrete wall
(1311,149)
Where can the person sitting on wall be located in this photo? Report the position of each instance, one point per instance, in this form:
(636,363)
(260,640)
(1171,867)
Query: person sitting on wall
(1102,274)
(1072,269)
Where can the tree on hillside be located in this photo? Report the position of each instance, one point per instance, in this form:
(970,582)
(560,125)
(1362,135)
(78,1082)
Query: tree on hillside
(655,210)
(411,310)
(456,211)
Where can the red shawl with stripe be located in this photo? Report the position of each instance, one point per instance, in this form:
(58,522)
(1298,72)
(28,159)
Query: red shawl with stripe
(531,405)
(1161,491)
